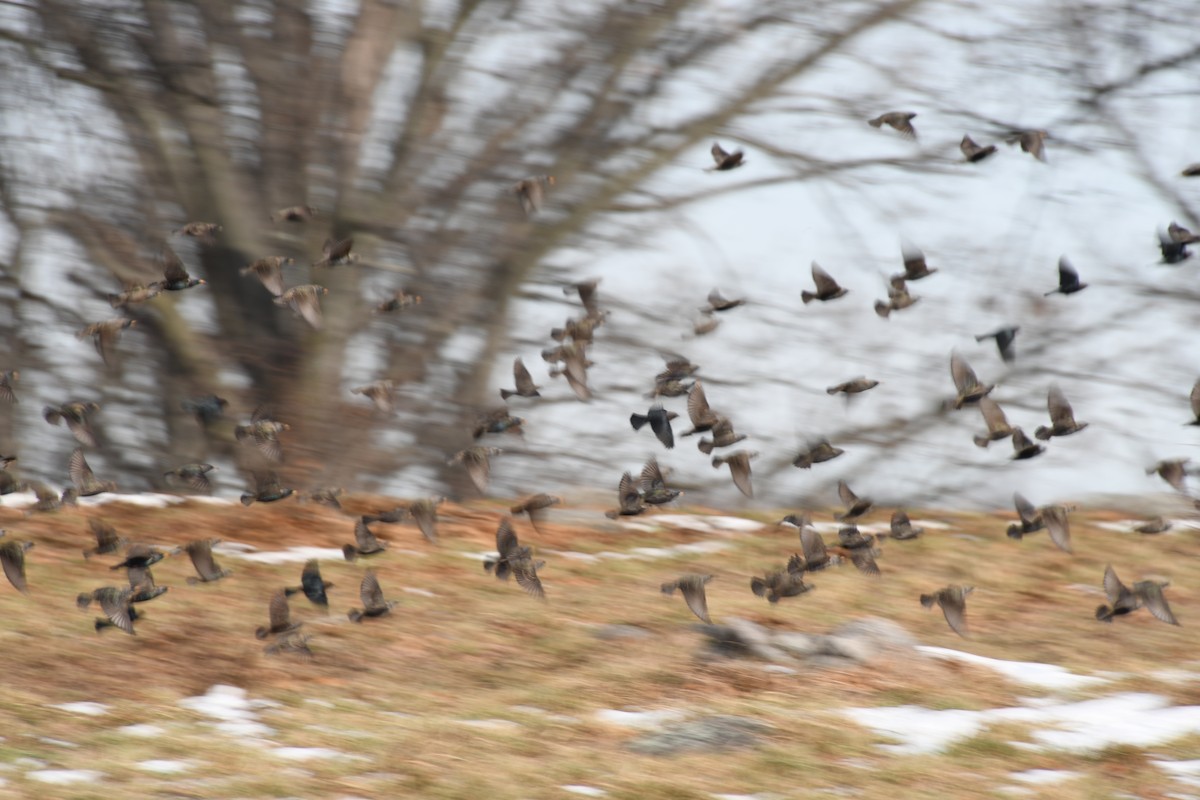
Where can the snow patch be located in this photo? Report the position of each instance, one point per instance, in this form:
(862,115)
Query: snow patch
(232,710)
(298,555)
(85,708)
(638,720)
(65,777)
(163,766)
(1048,676)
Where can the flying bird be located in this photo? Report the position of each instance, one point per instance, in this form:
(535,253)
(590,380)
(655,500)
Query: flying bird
(629,499)
(1174,471)
(1062,417)
(335,252)
(498,421)
(524,381)
(898,120)
(279,617)
(199,230)
(855,506)
(8,381)
(723,435)
(1068,279)
(997,423)
(372,599)
(535,506)
(853,386)
(478,463)
(105,334)
(827,287)
(654,486)
(267,489)
(78,417)
(915,267)
(264,432)
(786,582)
(306,301)
(514,559)
(12,559)
(399,301)
(207,408)
(819,451)
(1032,141)
(382,393)
(966,383)
(269,271)
(717,302)
(739,469)
(725,160)
(953,602)
(175,276)
(899,297)
(365,542)
(659,421)
(901,526)
(531,192)
(586,289)
(200,552)
(702,416)
(115,603)
(1023,447)
(1123,600)
(194,476)
(86,484)
(973,152)
(294,214)
(1030,518)
(692,589)
(1004,341)
(311,584)
(107,540)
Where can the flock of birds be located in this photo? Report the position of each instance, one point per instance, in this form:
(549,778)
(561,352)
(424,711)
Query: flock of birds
(568,358)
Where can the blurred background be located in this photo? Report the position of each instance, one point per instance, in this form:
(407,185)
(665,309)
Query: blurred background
(406,125)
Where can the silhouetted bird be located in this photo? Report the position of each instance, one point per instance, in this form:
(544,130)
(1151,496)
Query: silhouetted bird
(786,582)
(1032,141)
(1004,341)
(267,489)
(12,559)
(200,552)
(207,408)
(660,422)
(477,462)
(853,386)
(513,559)
(84,479)
(199,230)
(1062,418)
(898,120)
(997,423)
(78,416)
(8,385)
(629,499)
(306,301)
(532,192)
(175,276)
(739,469)
(902,527)
(654,486)
(114,602)
(335,252)
(105,334)
(953,602)
(973,152)
(311,583)
(965,382)
(1124,600)
(399,301)
(855,506)
(725,160)
(1172,248)
(1191,171)
(524,381)
(372,599)
(1031,518)
(723,435)
(294,214)
(692,589)
(365,542)
(827,287)
(535,506)
(139,556)
(820,451)
(380,392)
(702,416)
(194,476)
(1024,447)
(264,431)
(107,540)
(269,271)
(1068,279)
(279,617)
(719,303)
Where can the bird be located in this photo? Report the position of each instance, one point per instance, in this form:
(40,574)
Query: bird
(973,152)
(827,287)
(78,417)
(1055,519)
(107,540)
(1194,400)
(1191,170)
(717,302)
(859,548)
(267,489)
(365,542)
(399,301)
(200,552)
(269,271)
(424,513)
(724,160)
(575,363)
(915,267)
(1068,279)
(1004,341)
(786,582)
(853,386)
(899,297)
(1173,245)
(629,499)
(175,275)
(12,559)
(105,334)
(815,453)
(477,461)
(279,617)
(306,301)
(739,469)
(1156,525)
(1062,418)
(531,192)
(324,495)
(335,252)
(816,555)
(515,560)
(290,642)
(115,603)
(201,230)
(535,506)
(855,506)
(723,435)
(659,421)
(206,408)
(702,416)
(707,323)
(1024,447)
(294,214)
(134,294)
(901,526)
(966,383)
(371,595)
(1123,600)
(264,432)
(311,584)
(654,486)
(142,586)
(195,476)
(586,289)
(1032,141)
(8,483)
(1030,518)
(498,421)
(524,381)
(953,602)
(139,556)
(898,120)
(1174,471)
(692,589)
(86,484)
(8,380)
(1180,234)
(381,393)
(997,423)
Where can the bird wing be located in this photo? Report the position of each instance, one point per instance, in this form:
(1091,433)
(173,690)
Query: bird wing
(312,584)
(813,545)
(993,415)
(1025,509)
(1058,527)
(426,517)
(964,377)
(1152,597)
(370,592)
(12,557)
(628,496)
(739,470)
(1194,397)
(697,405)
(363,537)
(1061,414)
(479,470)
(1067,276)
(525,571)
(846,494)
(523,378)
(106,535)
(200,552)
(1113,586)
(173,269)
(81,474)
(914,259)
(719,153)
(115,605)
(824,281)
(278,611)
(506,540)
(652,476)
(660,423)
(694,596)
(954,608)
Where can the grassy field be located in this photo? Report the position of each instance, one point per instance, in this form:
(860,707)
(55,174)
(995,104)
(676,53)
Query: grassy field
(470,688)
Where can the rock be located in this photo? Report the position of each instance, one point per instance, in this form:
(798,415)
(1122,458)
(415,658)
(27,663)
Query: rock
(855,648)
(797,644)
(883,633)
(608,632)
(708,734)
(741,637)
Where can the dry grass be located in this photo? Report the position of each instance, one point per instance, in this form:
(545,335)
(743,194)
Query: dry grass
(400,692)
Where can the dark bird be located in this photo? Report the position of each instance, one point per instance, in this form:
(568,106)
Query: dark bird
(264,432)
(269,271)
(306,301)
(365,542)
(8,483)
(267,489)
(660,423)
(1194,400)
(723,435)
(194,476)
(739,469)
(973,152)
(279,617)
(702,416)
(142,586)
(524,381)
(535,506)
(139,556)
(294,214)
(820,451)
(175,276)
(692,589)
(1032,141)
(84,479)
(587,295)
(786,582)
(1191,171)
(115,603)
(966,384)
(516,560)
(898,120)
(1124,600)
(855,506)
(902,527)
(997,423)
(915,267)
(724,160)
(105,334)
(1024,447)
(134,294)
(859,548)
(953,602)
(1174,471)
(498,421)
(424,513)
(381,393)
(311,583)
(206,408)
(854,386)
(8,385)
(12,559)
(717,302)
(899,297)
(372,599)
(827,287)
(1030,518)
(399,301)
(629,499)
(1062,418)
(531,192)
(78,416)
(200,230)
(1156,525)
(1173,245)
(477,462)
(335,252)
(1068,279)
(654,486)
(1004,341)
(200,552)
(107,540)
(816,555)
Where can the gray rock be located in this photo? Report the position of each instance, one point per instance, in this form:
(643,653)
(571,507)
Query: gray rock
(855,648)
(883,633)
(741,637)
(708,734)
(797,644)
(608,632)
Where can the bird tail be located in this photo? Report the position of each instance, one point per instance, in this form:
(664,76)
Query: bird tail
(1015,532)
(1104,614)
(349,552)
(807,297)
(1043,432)
(928,600)
(982,441)
(759,587)
(84,600)
(875,123)
(981,337)
(831,390)
(882,309)
(355,615)
(247,499)
(638,421)
(705,445)
(506,393)
(669,588)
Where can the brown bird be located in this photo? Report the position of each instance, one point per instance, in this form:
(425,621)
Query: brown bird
(532,192)
(1057,525)
(859,548)
(477,462)
(203,230)
(973,152)
(269,271)
(717,302)
(279,616)
(997,423)
(1156,525)
(399,301)
(306,301)
(827,287)
(586,290)
(365,542)
(899,297)
(524,381)
(194,476)
(115,603)
(175,275)
(965,382)
(915,267)
(575,364)
(1174,471)
(902,527)
(107,540)
(1024,447)
(1031,518)
(692,589)
(1194,399)
(324,495)
(200,552)
(84,479)
(311,583)
(899,120)
(654,486)
(139,557)
(371,595)
(134,294)
(264,432)
(12,559)
(786,582)
(723,436)
(381,393)
(855,506)
(816,555)
(424,513)
(513,559)
(78,416)
(535,506)
(294,214)
(739,469)
(702,416)
(1062,418)
(1068,279)
(1032,141)
(817,452)
(629,499)
(336,251)
(498,421)
(8,381)
(706,324)
(105,335)
(267,489)
(853,386)
(724,160)
(1124,600)
(953,602)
